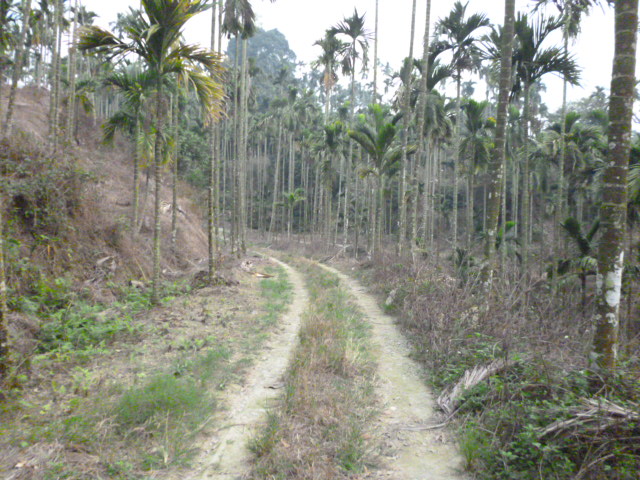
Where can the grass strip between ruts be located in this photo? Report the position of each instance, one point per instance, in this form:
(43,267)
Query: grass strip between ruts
(320,427)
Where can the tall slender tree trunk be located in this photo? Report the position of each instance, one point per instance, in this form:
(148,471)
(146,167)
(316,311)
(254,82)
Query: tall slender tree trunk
(17,68)
(613,212)
(456,153)
(4,312)
(54,105)
(136,177)
(244,150)
(157,178)
(375,56)
(496,170)
(422,143)
(349,159)
(503,244)
(470,207)
(174,181)
(71,102)
(276,178)
(212,200)
(406,108)
(526,183)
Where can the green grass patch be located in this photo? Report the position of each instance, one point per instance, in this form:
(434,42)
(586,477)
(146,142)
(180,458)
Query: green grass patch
(169,408)
(133,428)
(277,293)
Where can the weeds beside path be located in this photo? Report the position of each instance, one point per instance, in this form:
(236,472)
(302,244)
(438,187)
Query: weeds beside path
(354,405)
(411,449)
(225,455)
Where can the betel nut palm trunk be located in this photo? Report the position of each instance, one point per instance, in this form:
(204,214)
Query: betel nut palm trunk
(496,164)
(613,211)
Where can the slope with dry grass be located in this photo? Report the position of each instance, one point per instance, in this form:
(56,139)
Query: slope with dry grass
(103,385)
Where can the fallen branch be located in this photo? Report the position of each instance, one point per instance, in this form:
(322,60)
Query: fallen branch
(590,417)
(449,399)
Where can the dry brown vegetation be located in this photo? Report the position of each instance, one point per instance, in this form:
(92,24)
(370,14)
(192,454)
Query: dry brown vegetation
(87,347)
(322,429)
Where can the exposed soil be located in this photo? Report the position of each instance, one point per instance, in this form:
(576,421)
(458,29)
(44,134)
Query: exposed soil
(411,449)
(226,316)
(225,454)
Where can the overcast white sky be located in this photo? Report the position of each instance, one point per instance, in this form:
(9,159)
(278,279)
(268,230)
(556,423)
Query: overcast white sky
(305,21)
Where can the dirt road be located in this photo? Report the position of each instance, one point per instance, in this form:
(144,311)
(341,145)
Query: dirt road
(410,452)
(225,456)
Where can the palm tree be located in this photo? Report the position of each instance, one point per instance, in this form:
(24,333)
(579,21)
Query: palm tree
(475,148)
(571,12)
(214,186)
(4,321)
(154,35)
(581,146)
(531,62)
(376,39)
(378,138)
(135,86)
(290,200)
(461,39)
(496,170)
(54,97)
(406,112)
(331,150)
(17,67)
(584,262)
(331,47)
(239,21)
(613,211)
(355,49)
(425,68)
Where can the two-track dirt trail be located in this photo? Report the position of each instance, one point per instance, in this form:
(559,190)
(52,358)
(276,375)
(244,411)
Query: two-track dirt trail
(225,456)
(410,451)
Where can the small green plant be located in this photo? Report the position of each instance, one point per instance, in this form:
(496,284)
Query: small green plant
(81,327)
(473,445)
(163,395)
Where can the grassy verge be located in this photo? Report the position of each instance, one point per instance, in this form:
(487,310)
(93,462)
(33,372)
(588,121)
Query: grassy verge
(133,401)
(541,416)
(319,429)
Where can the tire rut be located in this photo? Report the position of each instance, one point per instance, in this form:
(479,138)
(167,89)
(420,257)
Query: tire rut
(225,455)
(410,451)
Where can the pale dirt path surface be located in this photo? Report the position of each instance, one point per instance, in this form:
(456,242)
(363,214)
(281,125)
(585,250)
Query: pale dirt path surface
(408,452)
(225,455)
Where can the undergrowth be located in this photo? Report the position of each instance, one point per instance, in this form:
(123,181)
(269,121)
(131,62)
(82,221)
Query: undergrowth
(142,416)
(319,428)
(543,415)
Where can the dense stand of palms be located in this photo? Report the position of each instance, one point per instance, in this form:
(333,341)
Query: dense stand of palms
(290,164)
(155,38)
(354,50)
(378,137)
(461,38)
(17,68)
(532,60)
(496,167)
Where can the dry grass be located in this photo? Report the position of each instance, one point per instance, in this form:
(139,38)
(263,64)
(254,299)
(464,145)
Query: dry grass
(457,329)
(321,428)
(96,415)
